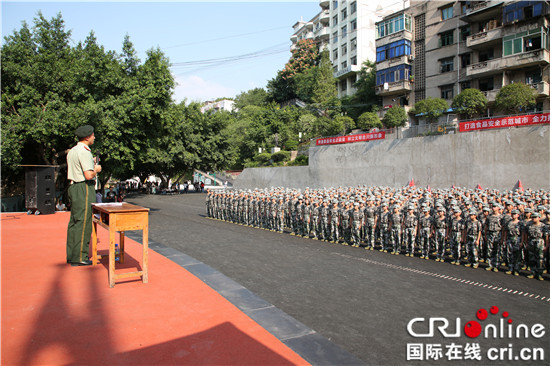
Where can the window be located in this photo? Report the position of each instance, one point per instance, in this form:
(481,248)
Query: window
(389,75)
(344,49)
(344,64)
(486,84)
(354,25)
(464,33)
(447,12)
(335,4)
(344,14)
(344,31)
(465,85)
(354,60)
(486,55)
(447,92)
(533,76)
(393,25)
(465,60)
(353,7)
(344,85)
(334,69)
(522,10)
(335,37)
(394,49)
(354,44)
(335,20)
(335,54)
(447,64)
(446,38)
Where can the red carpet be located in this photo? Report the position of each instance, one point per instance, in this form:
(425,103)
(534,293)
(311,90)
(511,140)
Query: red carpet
(55,314)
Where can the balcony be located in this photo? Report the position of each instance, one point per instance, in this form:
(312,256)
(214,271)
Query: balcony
(405,59)
(322,33)
(325,16)
(526,59)
(348,70)
(394,88)
(482,39)
(324,4)
(491,94)
(542,87)
(294,38)
(483,68)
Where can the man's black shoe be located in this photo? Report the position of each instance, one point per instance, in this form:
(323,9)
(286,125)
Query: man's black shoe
(83,263)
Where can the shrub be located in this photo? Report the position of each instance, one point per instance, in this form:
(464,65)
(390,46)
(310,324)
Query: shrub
(368,121)
(280,156)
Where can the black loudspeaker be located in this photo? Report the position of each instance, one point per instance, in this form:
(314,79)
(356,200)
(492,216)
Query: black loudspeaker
(40,189)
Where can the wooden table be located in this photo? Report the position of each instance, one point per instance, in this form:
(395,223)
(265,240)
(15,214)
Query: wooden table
(120,217)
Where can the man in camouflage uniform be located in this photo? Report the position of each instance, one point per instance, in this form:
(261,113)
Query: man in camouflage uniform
(356,222)
(457,226)
(536,242)
(334,221)
(370,224)
(473,236)
(395,230)
(426,231)
(410,222)
(512,238)
(315,212)
(384,227)
(324,224)
(345,213)
(493,228)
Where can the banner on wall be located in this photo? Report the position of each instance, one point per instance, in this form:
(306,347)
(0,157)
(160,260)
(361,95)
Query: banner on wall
(485,124)
(351,138)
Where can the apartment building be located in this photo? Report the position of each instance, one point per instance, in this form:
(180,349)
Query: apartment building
(440,48)
(219,105)
(346,28)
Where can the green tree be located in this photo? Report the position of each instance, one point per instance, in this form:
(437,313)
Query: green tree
(515,98)
(368,121)
(347,122)
(307,125)
(256,96)
(365,97)
(395,117)
(431,108)
(329,127)
(470,102)
(325,95)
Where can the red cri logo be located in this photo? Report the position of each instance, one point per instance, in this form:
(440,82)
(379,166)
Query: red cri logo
(473,329)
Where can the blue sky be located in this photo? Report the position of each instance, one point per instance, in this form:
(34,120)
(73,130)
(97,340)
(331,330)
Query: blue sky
(186,31)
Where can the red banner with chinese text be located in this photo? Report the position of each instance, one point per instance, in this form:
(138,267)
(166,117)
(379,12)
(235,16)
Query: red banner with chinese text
(351,138)
(484,124)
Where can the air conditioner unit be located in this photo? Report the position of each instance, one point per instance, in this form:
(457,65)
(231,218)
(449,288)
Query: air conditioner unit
(411,58)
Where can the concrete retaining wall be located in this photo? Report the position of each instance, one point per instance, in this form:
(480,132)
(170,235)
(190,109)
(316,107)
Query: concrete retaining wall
(493,159)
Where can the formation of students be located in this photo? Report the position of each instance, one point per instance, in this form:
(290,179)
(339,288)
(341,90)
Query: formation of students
(506,230)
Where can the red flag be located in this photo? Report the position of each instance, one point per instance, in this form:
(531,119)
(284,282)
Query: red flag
(429,189)
(520,186)
(411,183)
(479,187)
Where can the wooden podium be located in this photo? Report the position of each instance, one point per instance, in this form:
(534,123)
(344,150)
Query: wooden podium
(120,217)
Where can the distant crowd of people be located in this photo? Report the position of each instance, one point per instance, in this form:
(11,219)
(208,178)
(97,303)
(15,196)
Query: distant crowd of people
(175,188)
(505,230)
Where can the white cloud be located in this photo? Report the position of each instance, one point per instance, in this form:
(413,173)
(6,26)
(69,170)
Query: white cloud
(194,88)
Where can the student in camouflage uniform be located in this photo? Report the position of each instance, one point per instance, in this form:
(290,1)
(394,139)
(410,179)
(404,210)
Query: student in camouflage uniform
(315,212)
(493,228)
(473,236)
(426,232)
(323,218)
(485,211)
(299,219)
(456,229)
(356,222)
(395,230)
(370,224)
(384,225)
(334,222)
(410,223)
(307,218)
(512,238)
(536,242)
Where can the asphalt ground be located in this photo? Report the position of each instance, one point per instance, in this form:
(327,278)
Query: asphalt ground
(363,300)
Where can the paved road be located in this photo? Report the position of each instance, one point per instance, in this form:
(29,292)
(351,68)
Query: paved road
(361,300)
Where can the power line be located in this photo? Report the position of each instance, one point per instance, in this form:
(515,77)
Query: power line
(222,38)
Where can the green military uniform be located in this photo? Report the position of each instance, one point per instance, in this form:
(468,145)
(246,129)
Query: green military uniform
(81,196)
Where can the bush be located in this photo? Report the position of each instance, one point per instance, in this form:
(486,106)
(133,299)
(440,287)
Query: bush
(263,158)
(300,160)
(280,156)
(395,117)
(291,144)
(368,121)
